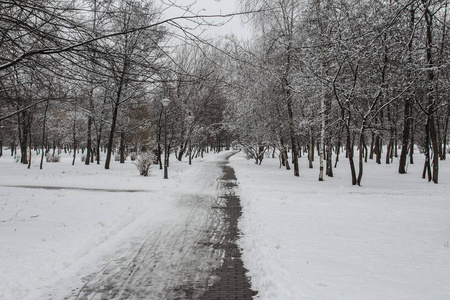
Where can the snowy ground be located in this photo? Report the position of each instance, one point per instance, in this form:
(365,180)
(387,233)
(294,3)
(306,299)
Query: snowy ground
(87,227)
(91,233)
(304,239)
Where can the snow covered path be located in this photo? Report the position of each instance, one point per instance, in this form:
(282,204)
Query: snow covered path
(167,261)
(81,232)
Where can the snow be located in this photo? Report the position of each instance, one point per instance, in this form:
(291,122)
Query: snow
(305,239)
(87,216)
(301,238)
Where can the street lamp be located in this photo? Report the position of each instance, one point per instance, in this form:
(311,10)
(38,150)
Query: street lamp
(165,103)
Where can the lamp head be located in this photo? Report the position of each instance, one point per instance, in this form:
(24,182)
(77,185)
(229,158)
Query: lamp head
(165,102)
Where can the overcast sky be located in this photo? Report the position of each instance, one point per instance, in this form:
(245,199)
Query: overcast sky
(212,7)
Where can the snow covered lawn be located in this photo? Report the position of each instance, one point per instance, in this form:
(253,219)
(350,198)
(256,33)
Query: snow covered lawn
(302,239)
(305,239)
(54,235)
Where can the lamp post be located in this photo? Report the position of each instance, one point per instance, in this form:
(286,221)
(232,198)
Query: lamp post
(165,103)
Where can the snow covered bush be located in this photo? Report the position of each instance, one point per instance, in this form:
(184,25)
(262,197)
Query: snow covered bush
(144,161)
(133,156)
(52,158)
(255,152)
(117,157)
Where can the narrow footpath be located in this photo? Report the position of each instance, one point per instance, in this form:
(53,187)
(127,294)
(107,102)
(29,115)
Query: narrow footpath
(232,281)
(189,254)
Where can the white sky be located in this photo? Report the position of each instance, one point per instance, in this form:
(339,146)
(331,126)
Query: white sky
(233,25)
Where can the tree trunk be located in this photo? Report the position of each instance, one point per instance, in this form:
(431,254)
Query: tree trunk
(444,149)
(190,151)
(99,140)
(438,136)
(311,147)
(338,150)
(89,128)
(361,161)
(427,167)
(43,134)
(350,155)
(430,92)
(24,127)
(445,133)
(113,126)
(288,95)
(378,147)
(411,148)
(74,137)
(405,136)
(442,61)
(390,147)
(122,147)
(435,146)
(183,148)
(90,149)
(322,138)
(159,156)
(29,159)
(329,166)
(372,146)
(329,144)
(293,138)
(89,142)
(283,152)
(366,152)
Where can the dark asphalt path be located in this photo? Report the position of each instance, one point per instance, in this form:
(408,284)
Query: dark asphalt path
(232,280)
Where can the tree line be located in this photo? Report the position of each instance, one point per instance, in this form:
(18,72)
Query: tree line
(360,76)
(89,75)
(345,74)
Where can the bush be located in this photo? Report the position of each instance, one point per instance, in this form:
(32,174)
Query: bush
(133,156)
(83,158)
(52,158)
(117,157)
(143,162)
